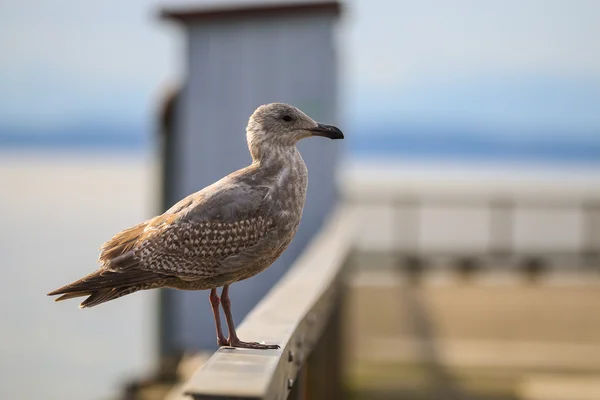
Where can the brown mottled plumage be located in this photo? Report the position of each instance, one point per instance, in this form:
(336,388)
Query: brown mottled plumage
(228,231)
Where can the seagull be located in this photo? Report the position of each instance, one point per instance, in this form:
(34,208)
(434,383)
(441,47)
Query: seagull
(227,232)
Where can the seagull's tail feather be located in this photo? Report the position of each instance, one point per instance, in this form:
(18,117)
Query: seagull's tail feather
(73,295)
(105,285)
(104,295)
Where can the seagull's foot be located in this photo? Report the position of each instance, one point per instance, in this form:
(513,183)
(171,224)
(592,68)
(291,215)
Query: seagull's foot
(252,345)
(221,341)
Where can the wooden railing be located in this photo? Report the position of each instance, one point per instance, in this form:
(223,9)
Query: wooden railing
(411,251)
(303,311)
(302,314)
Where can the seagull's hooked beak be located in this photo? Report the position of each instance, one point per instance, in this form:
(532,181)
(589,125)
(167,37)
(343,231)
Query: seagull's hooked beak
(328,131)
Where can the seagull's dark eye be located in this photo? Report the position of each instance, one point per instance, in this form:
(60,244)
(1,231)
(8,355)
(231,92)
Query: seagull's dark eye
(287,118)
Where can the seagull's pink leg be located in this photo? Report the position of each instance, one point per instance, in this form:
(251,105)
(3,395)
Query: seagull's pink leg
(234,341)
(214,302)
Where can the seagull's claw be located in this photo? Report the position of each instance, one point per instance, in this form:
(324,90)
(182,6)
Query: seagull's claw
(252,345)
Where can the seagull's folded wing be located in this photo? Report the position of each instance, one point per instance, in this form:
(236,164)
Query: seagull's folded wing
(194,237)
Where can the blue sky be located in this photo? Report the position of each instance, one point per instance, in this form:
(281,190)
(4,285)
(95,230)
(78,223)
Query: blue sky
(522,66)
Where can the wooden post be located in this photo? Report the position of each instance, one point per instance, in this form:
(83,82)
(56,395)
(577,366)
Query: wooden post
(591,233)
(166,297)
(501,228)
(408,259)
(324,369)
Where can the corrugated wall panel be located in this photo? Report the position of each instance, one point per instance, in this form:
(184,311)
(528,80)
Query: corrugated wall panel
(234,67)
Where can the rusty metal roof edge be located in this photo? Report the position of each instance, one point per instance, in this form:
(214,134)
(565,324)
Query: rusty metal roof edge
(292,314)
(229,11)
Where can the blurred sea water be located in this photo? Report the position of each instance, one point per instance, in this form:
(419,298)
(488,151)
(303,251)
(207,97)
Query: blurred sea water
(394,141)
(56,209)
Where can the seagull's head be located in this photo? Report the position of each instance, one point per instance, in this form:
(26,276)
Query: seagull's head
(284,125)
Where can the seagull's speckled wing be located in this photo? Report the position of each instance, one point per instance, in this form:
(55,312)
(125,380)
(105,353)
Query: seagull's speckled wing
(220,224)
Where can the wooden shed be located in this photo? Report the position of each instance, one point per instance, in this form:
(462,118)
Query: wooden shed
(239,57)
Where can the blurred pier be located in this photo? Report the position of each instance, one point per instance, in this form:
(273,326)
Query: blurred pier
(356,320)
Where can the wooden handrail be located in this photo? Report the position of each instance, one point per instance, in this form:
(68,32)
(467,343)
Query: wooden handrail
(294,314)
